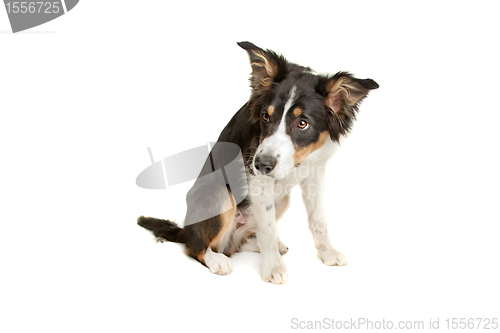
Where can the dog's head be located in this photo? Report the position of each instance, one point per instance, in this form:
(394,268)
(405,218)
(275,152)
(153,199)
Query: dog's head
(298,110)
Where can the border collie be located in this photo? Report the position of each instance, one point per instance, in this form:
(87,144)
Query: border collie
(287,131)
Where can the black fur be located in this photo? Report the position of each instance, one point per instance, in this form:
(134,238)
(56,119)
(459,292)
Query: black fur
(163,228)
(271,80)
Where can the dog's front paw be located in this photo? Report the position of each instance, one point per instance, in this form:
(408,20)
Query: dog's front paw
(332,258)
(275,274)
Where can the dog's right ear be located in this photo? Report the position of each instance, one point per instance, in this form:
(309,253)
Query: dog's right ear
(267,66)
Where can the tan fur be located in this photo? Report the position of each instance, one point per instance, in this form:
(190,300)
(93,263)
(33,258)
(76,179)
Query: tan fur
(343,94)
(226,220)
(301,154)
(201,257)
(270,69)
(270,110)
(297,112)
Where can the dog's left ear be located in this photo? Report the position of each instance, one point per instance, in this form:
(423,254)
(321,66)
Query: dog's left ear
(343,92)
(267,66)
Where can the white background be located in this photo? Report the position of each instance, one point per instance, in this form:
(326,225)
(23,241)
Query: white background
(413,195)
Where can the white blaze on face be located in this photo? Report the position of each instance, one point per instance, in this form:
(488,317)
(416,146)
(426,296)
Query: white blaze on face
(279,144)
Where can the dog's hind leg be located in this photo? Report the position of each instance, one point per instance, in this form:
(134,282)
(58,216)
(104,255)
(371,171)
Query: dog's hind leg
(211,241)
(218,263)
(251,246)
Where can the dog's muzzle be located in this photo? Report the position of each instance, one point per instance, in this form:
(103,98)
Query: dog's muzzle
(265,164)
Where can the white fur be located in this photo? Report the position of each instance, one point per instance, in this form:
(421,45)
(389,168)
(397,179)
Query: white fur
(263,214)
(279,144)
(312,188)
(218,263)
(264,191)
(251,246)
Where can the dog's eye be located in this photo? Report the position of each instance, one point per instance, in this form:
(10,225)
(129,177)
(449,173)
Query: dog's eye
(265,117)
(303,125)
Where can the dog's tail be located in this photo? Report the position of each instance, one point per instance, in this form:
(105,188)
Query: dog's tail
(163,228)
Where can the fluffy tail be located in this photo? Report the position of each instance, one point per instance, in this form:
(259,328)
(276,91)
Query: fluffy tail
(163,228)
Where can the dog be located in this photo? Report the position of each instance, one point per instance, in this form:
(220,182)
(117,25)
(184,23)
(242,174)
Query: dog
(287,131)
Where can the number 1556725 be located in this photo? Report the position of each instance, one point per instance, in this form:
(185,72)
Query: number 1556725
(25,7)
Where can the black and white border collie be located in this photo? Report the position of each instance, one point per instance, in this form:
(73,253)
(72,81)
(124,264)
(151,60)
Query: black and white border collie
(287,131)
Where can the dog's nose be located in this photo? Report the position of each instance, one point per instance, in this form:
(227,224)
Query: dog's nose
(265,164)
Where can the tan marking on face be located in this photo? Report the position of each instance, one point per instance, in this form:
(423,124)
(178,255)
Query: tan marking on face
(301,154)
(226,219)
(270,110)
(297,112)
